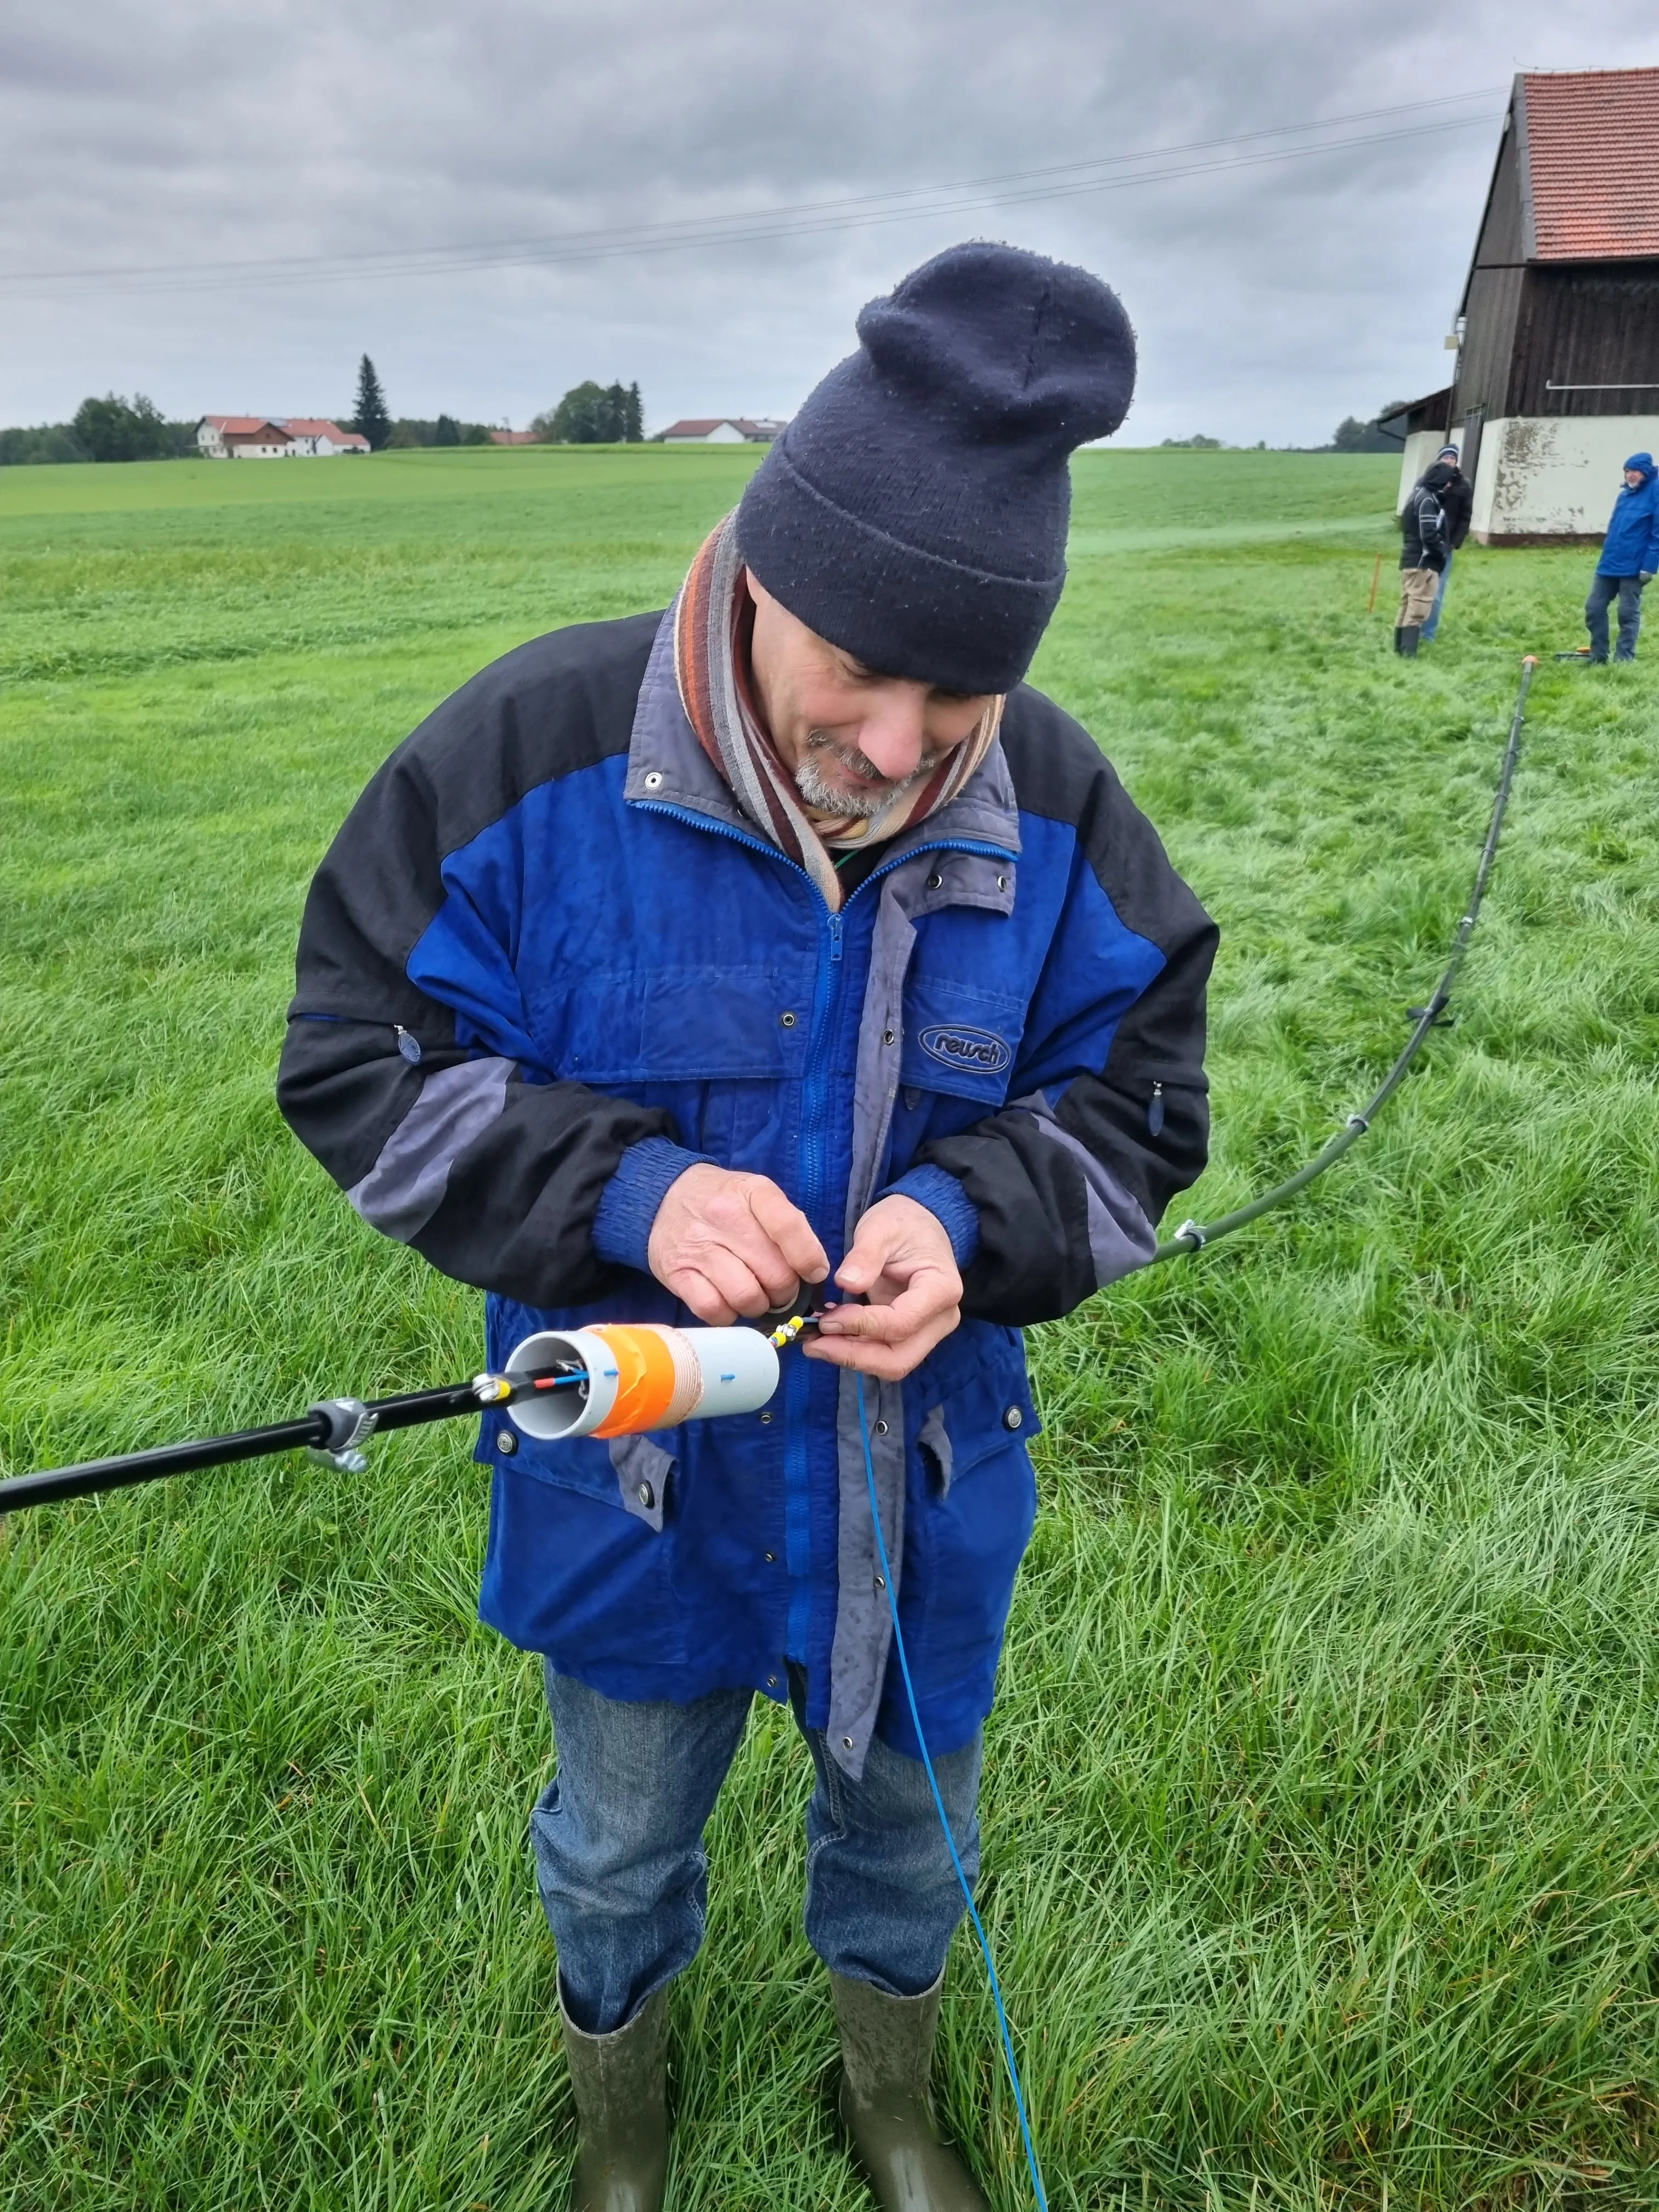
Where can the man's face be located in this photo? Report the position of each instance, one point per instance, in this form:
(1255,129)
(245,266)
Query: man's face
(851,737)
(1635,479)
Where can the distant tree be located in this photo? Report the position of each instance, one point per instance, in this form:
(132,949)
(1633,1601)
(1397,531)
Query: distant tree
(1197,444)
(43,443)
(445,431)
(373,418)
(474,434)
(593,414)
(1353,436)
(113,429)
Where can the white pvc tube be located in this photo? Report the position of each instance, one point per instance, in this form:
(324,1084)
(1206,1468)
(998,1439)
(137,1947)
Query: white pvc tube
(717,1371)
(558,1414)
(739,1370)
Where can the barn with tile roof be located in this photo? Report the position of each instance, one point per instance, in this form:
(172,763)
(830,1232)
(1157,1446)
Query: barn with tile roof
(1558,334)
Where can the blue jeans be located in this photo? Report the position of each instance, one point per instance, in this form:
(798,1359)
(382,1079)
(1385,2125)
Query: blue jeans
(624,1879)
(1433,623)
(1628,590)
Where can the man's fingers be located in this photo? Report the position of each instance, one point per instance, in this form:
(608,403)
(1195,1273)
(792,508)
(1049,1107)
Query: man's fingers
(887,1363)
(926,1299)
(791,1231)
(736,1282)
(695,1290)
(729,1231)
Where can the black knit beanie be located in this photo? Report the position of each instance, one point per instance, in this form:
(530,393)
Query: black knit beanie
(915,511)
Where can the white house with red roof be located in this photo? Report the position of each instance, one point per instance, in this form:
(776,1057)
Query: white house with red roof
(273,438)
(1558,330)
(721,430)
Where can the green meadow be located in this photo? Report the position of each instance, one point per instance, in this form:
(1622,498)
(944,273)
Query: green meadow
(1323,1793)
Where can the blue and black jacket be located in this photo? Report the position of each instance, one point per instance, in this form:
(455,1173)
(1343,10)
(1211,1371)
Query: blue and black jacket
(547,963)
(1631,547)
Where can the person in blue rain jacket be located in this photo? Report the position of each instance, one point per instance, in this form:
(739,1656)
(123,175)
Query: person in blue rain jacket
(1629,562)
(782,937)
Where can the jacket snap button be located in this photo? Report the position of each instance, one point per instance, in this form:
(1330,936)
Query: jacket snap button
(654,781)
(881,1428)
(766,1421)
(887,1037)
(847,1743)
(881,1582)
(507,1442)
(771,1558)
(935,881)
(1012,1418)
(1002,882)
(788,1021)
(771,1681)
(647,1496)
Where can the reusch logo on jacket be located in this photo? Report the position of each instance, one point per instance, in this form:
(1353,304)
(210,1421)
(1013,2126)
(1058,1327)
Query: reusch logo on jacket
(962,1047)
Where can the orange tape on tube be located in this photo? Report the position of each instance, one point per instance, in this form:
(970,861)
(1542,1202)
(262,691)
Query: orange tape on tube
(647,1379)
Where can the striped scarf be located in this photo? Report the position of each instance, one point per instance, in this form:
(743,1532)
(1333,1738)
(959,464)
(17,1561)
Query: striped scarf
(713,618)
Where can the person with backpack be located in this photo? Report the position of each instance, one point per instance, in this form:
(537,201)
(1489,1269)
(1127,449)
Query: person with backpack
(1422,558)
(1456,496)
(1630,558)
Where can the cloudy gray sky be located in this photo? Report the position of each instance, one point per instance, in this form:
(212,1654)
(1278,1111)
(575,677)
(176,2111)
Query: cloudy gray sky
(194,190)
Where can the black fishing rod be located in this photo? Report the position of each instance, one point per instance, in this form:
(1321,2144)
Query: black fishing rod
(707,1377)
(1193,1237)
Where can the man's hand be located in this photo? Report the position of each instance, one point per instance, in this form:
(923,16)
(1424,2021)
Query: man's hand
(727,1244)
(901,1261)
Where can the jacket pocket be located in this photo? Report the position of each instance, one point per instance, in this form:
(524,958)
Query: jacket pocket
(959,1040)
(972,1506)
(686,1024)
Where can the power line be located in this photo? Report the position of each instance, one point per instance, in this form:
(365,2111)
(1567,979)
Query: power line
(804,219)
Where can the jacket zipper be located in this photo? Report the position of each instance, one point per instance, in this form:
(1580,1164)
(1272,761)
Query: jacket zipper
(797,1478)
(797,1485)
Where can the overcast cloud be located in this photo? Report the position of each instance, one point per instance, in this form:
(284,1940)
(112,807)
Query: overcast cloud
(1270,300)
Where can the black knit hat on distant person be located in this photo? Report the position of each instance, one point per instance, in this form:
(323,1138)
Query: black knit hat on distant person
(914,512)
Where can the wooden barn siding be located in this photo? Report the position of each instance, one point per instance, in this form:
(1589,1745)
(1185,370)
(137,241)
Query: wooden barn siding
(1592,323)
(1502,237)
(1492,298)
(1483,363)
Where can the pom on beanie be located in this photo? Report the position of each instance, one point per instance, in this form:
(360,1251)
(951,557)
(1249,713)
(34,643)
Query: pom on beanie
(914,512)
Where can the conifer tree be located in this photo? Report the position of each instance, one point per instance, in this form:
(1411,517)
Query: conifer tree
(634,417)
(373,419)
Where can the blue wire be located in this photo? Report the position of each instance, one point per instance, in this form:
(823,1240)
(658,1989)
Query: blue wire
(943,1820)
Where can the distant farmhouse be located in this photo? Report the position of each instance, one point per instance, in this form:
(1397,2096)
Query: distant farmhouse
(722,430)
(513,438)
(273,438)
(1558,330)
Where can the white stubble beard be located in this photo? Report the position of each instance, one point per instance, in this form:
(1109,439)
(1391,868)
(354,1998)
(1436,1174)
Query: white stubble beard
(852,805)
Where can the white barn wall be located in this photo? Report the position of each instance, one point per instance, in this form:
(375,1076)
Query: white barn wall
(1418,454)
(1553,477)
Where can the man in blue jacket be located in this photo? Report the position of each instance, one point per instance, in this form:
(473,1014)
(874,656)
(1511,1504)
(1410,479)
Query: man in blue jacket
(1630,559)
(782,937)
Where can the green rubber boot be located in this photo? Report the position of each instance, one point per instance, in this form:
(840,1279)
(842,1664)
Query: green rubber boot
(620,2083)
(887,2053)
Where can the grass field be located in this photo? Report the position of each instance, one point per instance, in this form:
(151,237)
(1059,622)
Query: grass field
(1322,1797)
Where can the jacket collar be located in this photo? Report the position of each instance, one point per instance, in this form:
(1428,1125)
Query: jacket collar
(667,767)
